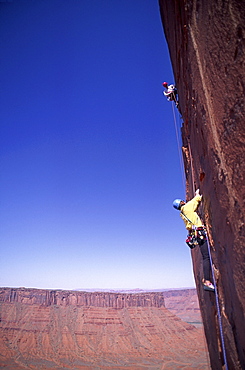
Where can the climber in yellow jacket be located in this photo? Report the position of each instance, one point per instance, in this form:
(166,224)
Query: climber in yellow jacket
(188,212)
(197,235)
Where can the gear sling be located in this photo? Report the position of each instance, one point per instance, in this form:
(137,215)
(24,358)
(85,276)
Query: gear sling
(196,236)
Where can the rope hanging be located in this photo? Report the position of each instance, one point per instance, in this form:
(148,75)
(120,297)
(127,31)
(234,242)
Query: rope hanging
(217,305)
(209,249)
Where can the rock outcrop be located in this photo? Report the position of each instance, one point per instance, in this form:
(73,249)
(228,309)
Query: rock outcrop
(206,41)
(69,332)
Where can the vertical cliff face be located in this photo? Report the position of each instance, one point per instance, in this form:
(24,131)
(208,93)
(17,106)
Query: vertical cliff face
(75,298)
(206,41)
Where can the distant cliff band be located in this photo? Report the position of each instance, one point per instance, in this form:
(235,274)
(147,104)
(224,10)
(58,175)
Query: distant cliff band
(76,298)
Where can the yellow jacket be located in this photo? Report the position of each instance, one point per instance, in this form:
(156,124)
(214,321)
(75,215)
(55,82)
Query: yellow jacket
(189,210)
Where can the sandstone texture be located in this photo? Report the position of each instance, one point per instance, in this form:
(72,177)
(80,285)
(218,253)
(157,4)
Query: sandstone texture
(206,41)
(68,332)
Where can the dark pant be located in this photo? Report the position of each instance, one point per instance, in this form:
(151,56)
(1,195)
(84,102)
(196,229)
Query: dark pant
(206,260)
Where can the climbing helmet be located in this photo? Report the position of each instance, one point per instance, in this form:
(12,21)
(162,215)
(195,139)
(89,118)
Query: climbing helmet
(176,203)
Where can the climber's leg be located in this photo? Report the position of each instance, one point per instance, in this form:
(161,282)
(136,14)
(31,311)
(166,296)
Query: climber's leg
(206,267)
(206,261)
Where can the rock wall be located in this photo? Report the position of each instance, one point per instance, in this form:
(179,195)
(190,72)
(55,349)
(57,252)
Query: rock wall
(76,298)
(206,42)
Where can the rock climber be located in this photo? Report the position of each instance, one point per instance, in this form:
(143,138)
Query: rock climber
(170,92)
(197,235)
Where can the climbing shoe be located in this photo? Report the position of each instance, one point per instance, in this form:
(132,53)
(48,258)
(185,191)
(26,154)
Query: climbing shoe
(208,286)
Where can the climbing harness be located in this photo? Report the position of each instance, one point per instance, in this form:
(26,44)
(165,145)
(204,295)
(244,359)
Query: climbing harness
(192,241)
(196,236)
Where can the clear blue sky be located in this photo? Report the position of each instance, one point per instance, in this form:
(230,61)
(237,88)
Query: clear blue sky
(89,161)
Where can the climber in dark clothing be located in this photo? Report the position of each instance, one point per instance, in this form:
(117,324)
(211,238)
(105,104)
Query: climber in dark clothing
(197,235)
(170,93)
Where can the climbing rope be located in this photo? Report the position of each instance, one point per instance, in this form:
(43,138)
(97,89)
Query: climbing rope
(217,304)
(213,275)
(208,244)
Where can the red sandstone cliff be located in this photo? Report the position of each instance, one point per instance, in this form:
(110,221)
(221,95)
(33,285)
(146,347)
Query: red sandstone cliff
(41,329)
(206,41)
(76,298)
